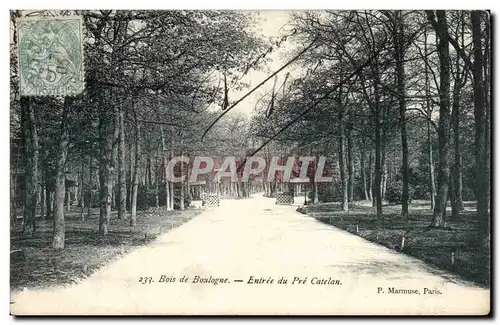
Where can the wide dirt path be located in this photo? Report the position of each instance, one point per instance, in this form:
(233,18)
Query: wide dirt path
(256,238)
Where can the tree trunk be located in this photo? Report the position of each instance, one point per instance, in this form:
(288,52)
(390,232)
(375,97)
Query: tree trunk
(171,184)
(438,219)
(487,107)
(130,175)
(42,199)
(90,185)
(115,146)
(68,199)
(377,186)
(370,175)
(158,177)
(315,192)
(106,133)
(342,166)
(456,171)
(171,195)
(244,189)
(363,174)
(383,166)
(432,178)
(401,89)
(165,164)
(51,201)
(13,215)
(181,184)
(149,176)
(59,232)
(480,126)
(30,138)
(350,167)
(82,191)
(429,110)
(122,184)
(41,190)
(188,187)
(48,203)
(135,178)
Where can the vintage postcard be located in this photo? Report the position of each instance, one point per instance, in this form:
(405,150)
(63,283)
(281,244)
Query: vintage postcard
(210,162)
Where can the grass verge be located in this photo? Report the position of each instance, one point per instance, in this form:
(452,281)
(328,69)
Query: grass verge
(38,266)
(454,248)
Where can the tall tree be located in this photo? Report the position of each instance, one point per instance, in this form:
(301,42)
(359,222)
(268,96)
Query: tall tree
(350,165)
(30,139)
(480,128)
(341,154)
(60,181)
(487,100)
(428,113)
(441,29)
(363,174)
(122,184)
(105,166)
(135,173)
(398,37)
(460,79)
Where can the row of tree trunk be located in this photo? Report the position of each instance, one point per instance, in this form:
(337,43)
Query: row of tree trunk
(448,185)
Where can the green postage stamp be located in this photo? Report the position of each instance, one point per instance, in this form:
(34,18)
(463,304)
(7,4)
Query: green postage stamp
(50,56)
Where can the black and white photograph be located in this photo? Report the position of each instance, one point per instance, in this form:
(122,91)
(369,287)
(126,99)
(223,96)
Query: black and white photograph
(250,162)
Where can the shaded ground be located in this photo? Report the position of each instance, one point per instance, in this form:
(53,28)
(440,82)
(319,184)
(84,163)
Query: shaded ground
(38,265)
(454,248)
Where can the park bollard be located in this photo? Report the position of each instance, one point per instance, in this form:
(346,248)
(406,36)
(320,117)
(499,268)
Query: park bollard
(402,243)
(452,260)
(357,229)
